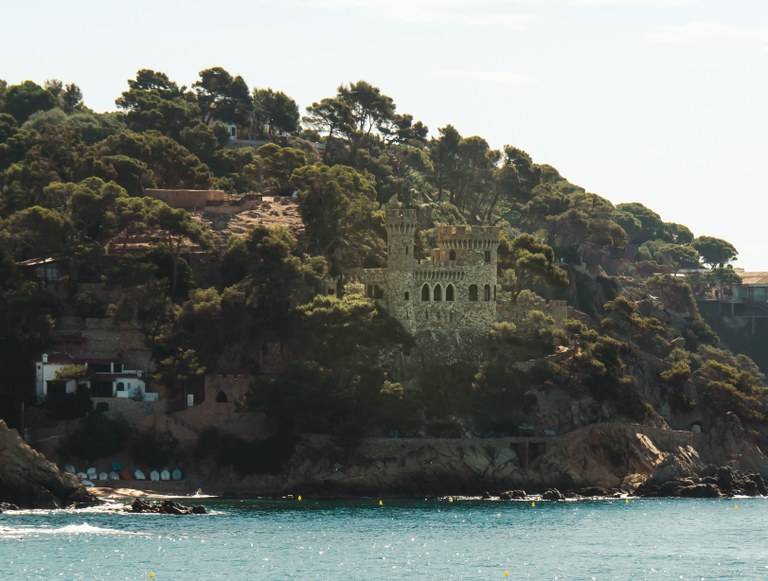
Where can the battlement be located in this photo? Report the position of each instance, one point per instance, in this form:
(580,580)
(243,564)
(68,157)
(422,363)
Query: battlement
(468,237)
(400,220)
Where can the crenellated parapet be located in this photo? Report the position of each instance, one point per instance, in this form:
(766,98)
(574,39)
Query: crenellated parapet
(401,222)
(468,237)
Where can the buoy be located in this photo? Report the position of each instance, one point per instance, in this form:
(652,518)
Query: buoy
(450,499)
(736,507)
(626,501)
(533,504)
(381,503)
(506,573)
(151,575)
(298,498)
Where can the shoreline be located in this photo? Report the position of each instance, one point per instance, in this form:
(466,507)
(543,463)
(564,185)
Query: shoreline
(151,490)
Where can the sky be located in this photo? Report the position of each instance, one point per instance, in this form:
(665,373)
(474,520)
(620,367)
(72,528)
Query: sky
(661,102)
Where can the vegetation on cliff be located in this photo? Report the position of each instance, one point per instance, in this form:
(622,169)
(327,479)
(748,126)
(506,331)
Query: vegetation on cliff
(72,184)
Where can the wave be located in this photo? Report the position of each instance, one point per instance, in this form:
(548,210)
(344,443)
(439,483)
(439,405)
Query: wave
(73,529)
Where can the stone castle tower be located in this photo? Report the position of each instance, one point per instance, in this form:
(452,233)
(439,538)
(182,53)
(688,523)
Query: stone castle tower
(454,289)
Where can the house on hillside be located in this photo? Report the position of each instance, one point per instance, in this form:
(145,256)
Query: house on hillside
(753,287)
(43,270)
(105,377)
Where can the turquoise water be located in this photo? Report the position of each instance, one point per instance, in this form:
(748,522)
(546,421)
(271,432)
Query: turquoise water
(259,539)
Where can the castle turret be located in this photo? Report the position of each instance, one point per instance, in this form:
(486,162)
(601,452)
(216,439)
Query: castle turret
(401,238)
(455,289)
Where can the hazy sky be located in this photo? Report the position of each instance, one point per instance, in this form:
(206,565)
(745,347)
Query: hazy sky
(657,101)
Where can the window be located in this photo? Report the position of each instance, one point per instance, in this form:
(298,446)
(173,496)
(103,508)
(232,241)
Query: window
(487,292)
(487,255)
(473,292)
(407,295)
(425,292)
(221,397)
(406,250)
(449,292)
(438,293)
(452,255)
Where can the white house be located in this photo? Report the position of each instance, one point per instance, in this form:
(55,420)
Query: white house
(106,377)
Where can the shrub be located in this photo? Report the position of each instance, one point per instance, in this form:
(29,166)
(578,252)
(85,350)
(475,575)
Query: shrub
(98,437)
(68,406)
(266,456)
(153,450)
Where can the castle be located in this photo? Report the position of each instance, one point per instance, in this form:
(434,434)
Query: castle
(454,289)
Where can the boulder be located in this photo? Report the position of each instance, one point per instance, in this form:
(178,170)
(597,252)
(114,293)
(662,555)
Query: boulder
(700,491)
(552,494)
(592,491)
(28,480)
(512,495)
(165,507)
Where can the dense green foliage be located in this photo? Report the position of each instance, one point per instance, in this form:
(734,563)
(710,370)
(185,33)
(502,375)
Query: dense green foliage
(72,185)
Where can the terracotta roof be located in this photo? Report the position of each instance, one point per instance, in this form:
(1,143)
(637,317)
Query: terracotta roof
(754,278)
(59,357)
(37,261)
(115,376)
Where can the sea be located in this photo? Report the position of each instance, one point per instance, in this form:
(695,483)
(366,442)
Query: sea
(379,539)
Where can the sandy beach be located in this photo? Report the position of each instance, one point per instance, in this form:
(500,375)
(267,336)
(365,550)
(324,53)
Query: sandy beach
(125,490)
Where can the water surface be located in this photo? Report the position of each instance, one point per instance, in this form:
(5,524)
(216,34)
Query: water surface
(435,539)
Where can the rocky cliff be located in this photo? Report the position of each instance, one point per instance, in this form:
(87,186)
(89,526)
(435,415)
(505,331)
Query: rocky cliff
(607,455)
(28,480)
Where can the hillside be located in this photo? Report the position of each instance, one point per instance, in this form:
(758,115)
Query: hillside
(365,277)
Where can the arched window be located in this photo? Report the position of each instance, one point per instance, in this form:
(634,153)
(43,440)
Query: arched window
(425,292)
(452,254)
(473,292)
(407,295)
(487,292)
(449,292)
(221,397)
(438,293)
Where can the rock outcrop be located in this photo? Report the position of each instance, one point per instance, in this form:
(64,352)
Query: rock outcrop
(165,507)
(28,480)
(607,456)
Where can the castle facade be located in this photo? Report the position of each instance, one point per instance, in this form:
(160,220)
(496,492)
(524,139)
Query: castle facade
(455,289)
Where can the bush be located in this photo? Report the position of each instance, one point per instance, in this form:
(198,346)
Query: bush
(267,456)
(153,450)
(68,406)
(98,437)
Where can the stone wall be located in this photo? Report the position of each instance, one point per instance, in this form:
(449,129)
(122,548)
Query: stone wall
(219,407)
(103,338)
(187,199)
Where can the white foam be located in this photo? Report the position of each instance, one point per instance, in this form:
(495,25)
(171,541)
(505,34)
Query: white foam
(78,529)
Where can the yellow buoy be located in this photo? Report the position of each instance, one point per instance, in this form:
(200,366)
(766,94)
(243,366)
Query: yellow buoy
(506,573)
(533,504)
(450,499)
(381,503)
(626,500)
(736,507)
(299,498)
(151,575)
